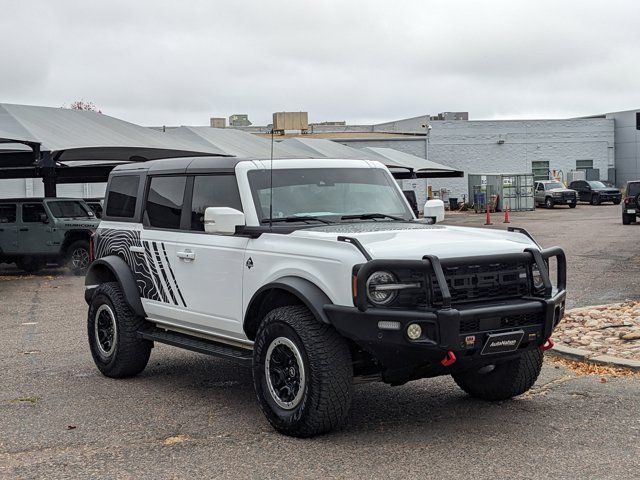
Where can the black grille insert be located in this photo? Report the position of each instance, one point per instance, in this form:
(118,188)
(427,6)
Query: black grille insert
(470,283)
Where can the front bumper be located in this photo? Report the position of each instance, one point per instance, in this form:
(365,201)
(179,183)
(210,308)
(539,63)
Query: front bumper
(463,329)
(565,200)
(610,197)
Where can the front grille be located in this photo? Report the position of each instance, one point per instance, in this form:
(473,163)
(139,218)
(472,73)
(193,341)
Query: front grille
(510,321)
(568,196)
(469,283)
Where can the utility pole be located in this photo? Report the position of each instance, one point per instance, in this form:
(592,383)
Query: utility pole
(427,127)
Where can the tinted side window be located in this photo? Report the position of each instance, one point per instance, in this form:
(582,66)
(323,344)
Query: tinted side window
(213,191)
(123,192)
(164,201)
(32,212)
(8,213)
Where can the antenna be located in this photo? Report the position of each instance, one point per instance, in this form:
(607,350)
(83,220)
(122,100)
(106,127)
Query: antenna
(271,184)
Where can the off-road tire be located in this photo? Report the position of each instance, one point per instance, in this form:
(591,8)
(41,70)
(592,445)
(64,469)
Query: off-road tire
(595,199)
(573,205)
(328,370)
(30,264)
(78,245)
(548,202)
(506,380)
(626,219)
(130,353)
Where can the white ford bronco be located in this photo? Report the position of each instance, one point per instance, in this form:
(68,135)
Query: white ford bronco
(313,272)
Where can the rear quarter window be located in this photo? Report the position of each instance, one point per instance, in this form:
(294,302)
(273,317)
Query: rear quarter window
(8,213)
(122,196)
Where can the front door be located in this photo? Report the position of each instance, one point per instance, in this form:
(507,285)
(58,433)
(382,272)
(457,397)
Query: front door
(197,276)
(8,228)
(35,232)
(208,275)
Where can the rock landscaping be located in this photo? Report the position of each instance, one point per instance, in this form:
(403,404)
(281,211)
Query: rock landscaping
(612,330)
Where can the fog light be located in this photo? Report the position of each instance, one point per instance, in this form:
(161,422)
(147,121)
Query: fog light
(414,331)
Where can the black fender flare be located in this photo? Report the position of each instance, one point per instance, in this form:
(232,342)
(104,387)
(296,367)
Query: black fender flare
(114,268)
(71,236)
(307,292)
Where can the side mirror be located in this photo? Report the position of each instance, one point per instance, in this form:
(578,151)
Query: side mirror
(44,218)
(434,209)
(223,220)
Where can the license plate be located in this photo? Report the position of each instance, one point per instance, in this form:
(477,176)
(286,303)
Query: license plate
(502,342)
(631,210)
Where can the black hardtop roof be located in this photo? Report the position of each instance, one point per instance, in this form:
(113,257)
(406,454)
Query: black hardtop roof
(37,199)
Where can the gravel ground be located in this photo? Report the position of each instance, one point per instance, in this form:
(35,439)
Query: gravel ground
(612,330)
(193,415)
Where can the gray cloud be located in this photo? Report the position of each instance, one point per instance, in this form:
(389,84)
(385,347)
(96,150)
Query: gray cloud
(159,62)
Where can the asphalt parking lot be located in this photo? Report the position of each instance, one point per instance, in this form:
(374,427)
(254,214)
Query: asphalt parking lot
(603,259)
(193,415)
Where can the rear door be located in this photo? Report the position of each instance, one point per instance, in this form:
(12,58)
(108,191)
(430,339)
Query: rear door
(8,228)
(199,275)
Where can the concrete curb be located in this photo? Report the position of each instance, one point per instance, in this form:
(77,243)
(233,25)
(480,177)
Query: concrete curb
(587,356)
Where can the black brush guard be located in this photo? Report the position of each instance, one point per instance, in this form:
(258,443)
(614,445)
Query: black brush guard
(442,324)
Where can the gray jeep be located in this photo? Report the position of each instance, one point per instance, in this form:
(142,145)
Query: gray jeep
(37,231)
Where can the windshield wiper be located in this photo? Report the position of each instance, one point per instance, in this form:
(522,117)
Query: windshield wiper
(296,218)
(370,216)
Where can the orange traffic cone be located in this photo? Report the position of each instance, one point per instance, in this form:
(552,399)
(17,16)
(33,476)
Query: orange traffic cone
(488,221)
(506,214)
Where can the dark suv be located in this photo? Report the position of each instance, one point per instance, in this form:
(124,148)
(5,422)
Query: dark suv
(631,204)
(596,192)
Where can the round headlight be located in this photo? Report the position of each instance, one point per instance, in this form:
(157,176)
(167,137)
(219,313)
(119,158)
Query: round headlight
(376,291)
(538,284)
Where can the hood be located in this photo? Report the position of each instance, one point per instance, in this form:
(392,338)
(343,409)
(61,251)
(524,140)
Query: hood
(410,241)
(606,190)
(560,190)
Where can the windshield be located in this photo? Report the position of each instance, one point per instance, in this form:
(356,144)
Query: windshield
(328,194)
(549,186)
(597,185)
(69,209)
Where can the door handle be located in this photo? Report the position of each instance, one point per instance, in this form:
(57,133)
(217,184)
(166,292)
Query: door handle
(24,229)
(186,255)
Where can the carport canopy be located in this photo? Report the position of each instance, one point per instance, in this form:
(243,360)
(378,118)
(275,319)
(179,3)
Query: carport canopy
(49,142)
(402,165)
(237,143)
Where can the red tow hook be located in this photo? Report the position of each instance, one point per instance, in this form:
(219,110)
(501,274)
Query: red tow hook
(449,359)
(547,345)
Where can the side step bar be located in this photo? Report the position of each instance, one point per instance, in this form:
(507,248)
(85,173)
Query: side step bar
(197,344)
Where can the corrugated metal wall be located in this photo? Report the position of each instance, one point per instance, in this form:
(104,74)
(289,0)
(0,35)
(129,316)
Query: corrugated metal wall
(33,187)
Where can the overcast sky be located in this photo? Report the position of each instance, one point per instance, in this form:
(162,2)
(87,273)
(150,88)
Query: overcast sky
(181,62)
